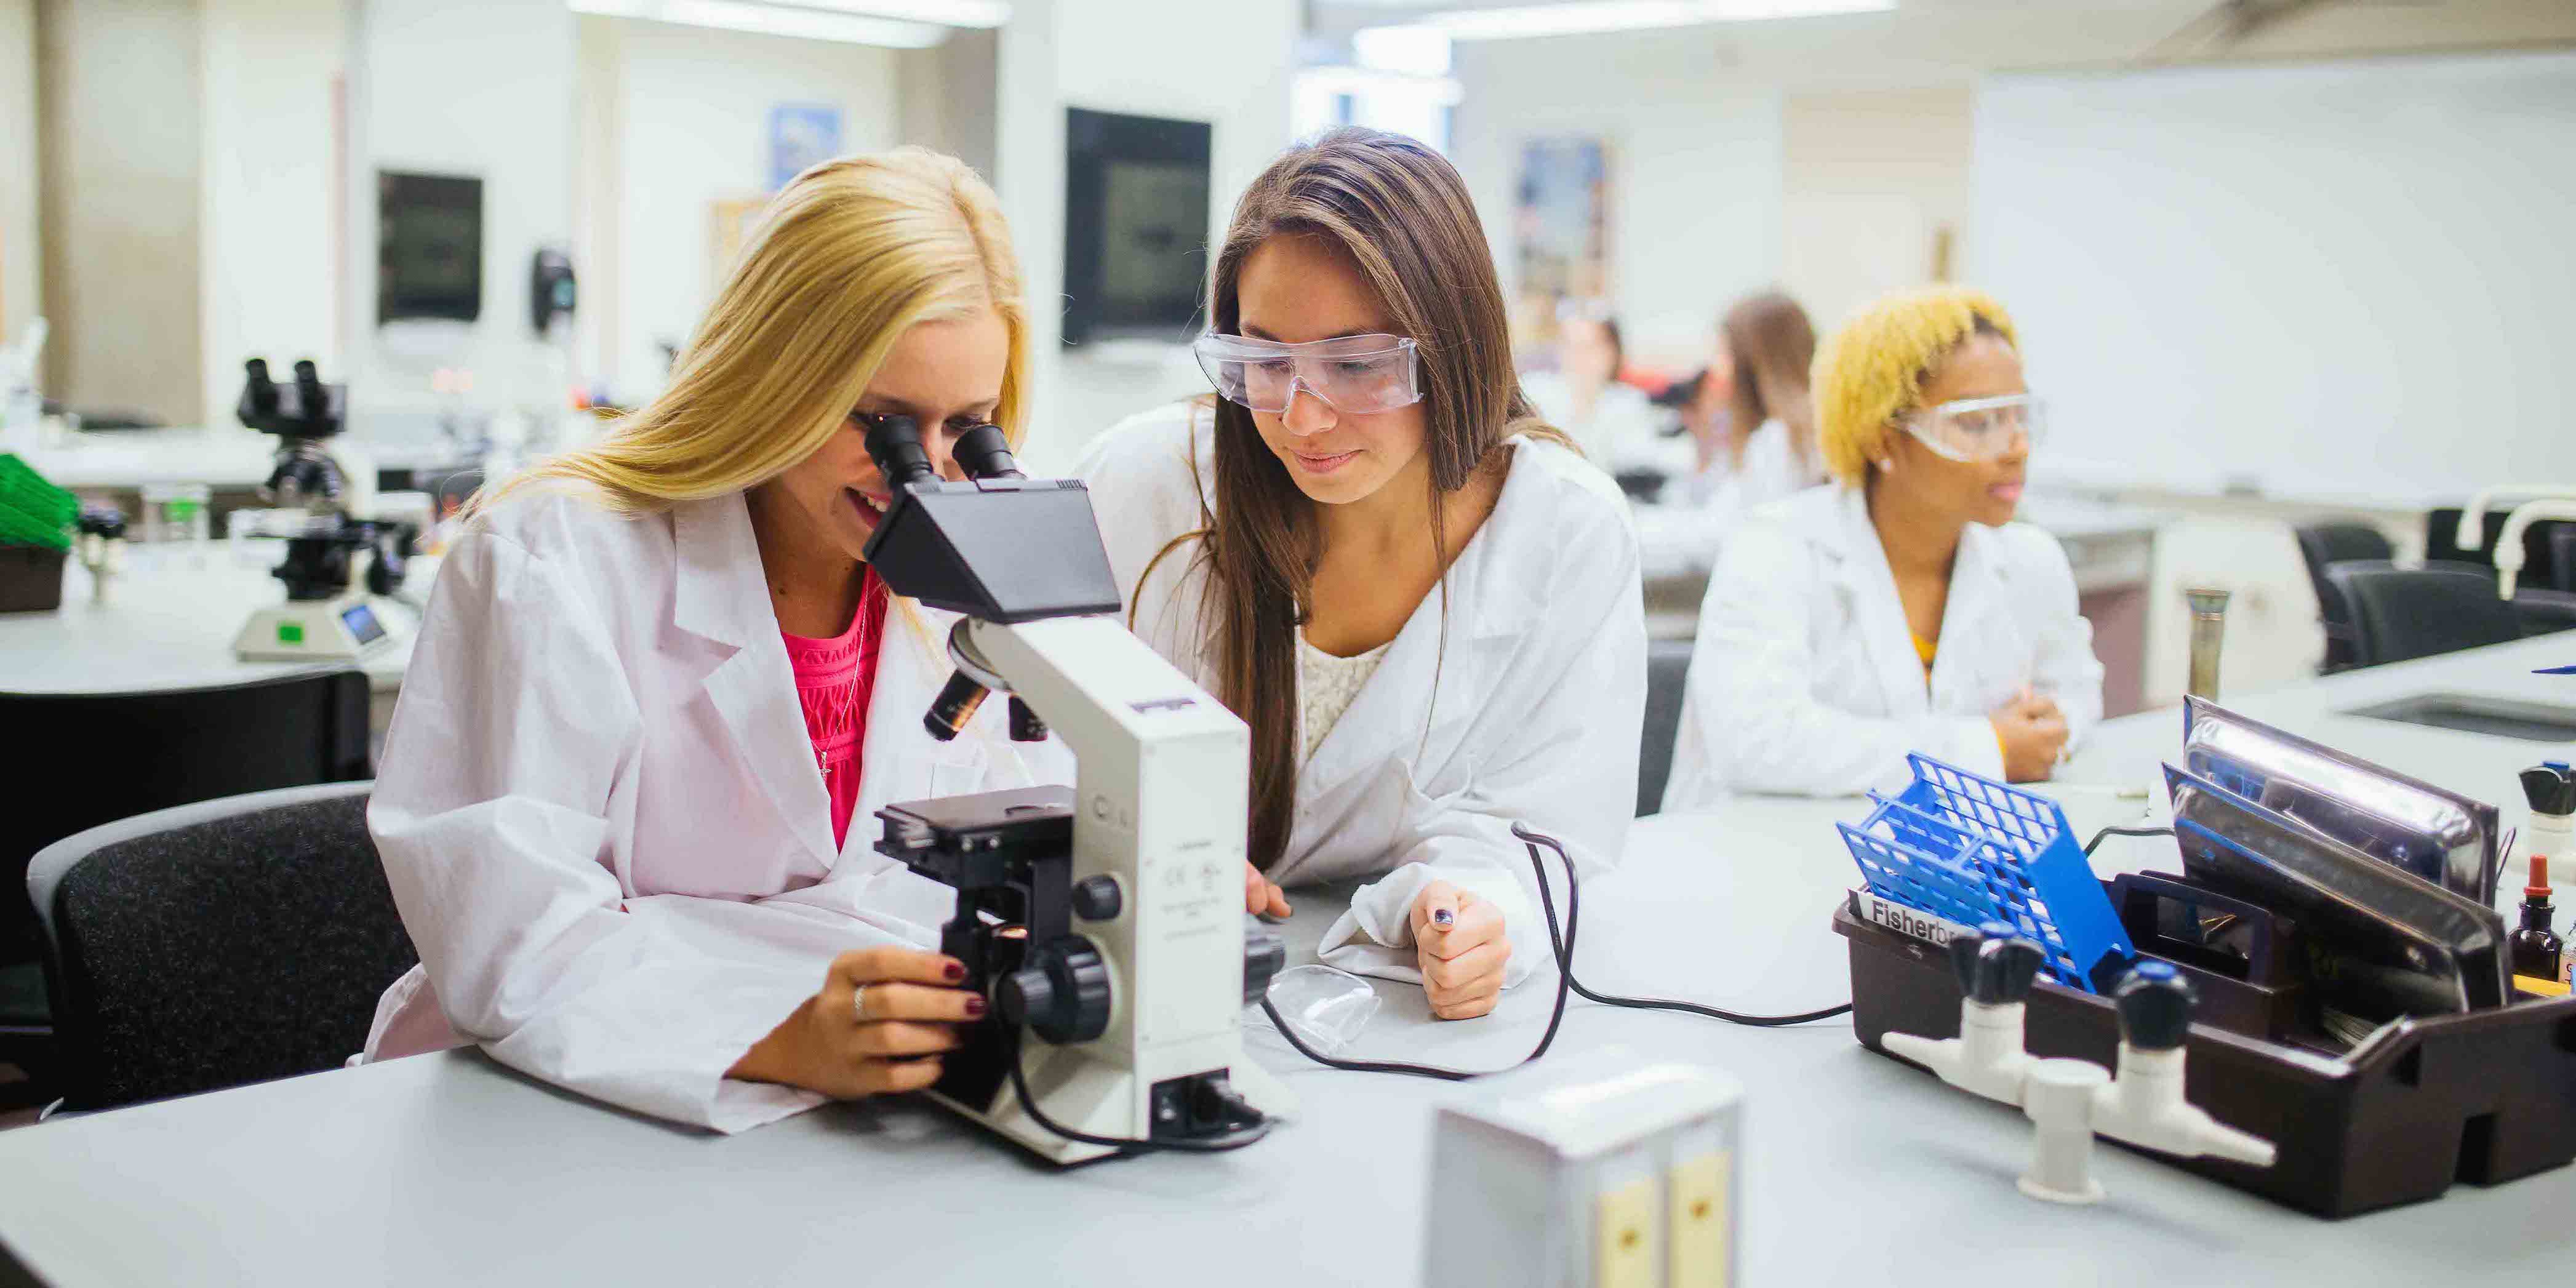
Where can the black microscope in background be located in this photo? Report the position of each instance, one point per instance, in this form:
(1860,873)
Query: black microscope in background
(321,618)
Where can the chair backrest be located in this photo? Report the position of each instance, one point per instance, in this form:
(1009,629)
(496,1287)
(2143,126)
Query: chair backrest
(2323,545)
(1667,666)
(216,944)
(86,759)
(2542,562)
(2562,558)
(2402,613)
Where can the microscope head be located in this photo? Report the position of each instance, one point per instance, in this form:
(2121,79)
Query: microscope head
(304,409)
(999,546)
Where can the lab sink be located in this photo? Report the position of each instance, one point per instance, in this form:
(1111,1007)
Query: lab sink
(2494,717)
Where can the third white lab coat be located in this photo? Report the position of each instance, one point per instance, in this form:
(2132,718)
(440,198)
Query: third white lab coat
(601,818)
(1804,678)
(1527,708)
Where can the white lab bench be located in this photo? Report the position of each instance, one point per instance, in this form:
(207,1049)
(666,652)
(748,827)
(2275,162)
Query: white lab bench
(169,624)
(1857,1170)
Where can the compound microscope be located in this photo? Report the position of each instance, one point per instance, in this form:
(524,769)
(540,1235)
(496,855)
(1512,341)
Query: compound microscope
(321,618)
(1105,924)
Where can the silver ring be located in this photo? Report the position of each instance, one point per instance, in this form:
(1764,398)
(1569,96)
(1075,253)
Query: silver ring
(858,1003)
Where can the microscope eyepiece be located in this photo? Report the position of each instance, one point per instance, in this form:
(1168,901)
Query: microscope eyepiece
(985,454)
(309,396)
(263,390)
(894,442)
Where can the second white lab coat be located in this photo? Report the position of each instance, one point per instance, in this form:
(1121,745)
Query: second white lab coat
(1678,534)
(1804,678)
(601,817)
(1525,706)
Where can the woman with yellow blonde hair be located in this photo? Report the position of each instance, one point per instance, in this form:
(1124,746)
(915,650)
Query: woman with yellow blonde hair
(657,683)
(1898,608)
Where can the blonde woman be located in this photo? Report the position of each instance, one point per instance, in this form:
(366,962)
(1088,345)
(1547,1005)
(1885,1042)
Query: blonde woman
(624,804)
(1423,602)
(1898,608)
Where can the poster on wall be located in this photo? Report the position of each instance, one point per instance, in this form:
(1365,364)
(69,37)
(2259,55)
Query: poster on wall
(801,134)
(1560,232)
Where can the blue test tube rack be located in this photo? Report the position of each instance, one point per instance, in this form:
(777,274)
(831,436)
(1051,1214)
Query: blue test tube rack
(1970,850)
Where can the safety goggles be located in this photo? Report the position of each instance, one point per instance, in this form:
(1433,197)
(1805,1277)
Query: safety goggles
(1979,429)
(1355,374)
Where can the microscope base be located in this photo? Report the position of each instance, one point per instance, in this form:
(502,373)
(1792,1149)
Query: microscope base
(310,630)
(1099,1099)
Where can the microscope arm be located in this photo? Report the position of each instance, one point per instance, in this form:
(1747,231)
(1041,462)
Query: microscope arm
(2508,551)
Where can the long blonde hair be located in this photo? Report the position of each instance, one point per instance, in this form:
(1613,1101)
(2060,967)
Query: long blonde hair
(849,255)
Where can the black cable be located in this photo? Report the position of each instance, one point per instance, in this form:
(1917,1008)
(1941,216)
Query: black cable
(2096,842)
(1562,941)
(1127,1145)
(1573,905)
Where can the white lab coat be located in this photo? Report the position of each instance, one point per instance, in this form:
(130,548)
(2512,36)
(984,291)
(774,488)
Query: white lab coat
(1804,678)
(601,818)
(1624,431)
(1540,692)
(1678,535)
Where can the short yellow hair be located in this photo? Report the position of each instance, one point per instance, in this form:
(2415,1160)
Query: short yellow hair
(1870,372)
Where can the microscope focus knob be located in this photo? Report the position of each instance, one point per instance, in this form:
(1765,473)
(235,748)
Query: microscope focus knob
(1062,995)
(1096,897)
(1264,956)
(2155,1004)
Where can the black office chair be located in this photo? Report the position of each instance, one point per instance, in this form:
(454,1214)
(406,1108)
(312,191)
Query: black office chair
(2542,563)
(2562,558)
(87,759)
(216,944)
(2403,613)
(1667,665)
(2323,545)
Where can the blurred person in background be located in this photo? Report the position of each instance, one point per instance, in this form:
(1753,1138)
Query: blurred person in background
(1609,419)
(1752,426)
(1899,608)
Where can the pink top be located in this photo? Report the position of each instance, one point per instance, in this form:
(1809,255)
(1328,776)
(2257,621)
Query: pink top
(833,679)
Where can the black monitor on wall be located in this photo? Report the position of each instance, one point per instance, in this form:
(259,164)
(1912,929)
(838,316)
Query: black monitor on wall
(429,247)
(1136,194)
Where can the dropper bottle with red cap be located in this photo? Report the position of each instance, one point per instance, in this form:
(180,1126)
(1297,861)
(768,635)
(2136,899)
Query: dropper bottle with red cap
(2535,948)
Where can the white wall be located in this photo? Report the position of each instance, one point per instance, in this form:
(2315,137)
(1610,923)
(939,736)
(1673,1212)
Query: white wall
(482,88)
(21,259)
(1170,58)
(1874,190)
(266,214)
(695,131)
(2366,296)
(1696,170)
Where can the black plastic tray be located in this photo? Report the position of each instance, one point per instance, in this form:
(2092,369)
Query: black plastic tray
(2486,1097)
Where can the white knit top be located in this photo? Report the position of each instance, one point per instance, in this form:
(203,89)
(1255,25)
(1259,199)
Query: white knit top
(1325,687)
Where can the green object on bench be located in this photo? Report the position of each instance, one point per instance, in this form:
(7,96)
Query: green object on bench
(33,512)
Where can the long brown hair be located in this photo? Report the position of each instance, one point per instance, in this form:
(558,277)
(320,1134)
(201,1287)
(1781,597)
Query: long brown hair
(1401,214)
(1773,345)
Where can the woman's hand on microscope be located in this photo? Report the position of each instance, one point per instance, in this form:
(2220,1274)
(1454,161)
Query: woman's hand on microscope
(880,1023)
(1261,898)
(1458,943)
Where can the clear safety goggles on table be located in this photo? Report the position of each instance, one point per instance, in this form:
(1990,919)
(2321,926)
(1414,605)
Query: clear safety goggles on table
(1355,374)
(1980,429)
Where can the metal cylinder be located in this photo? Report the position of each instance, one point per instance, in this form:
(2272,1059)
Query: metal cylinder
(2208,631)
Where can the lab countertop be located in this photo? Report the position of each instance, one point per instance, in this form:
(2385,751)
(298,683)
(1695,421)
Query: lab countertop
(218,458)
(449,1168)
(168,623)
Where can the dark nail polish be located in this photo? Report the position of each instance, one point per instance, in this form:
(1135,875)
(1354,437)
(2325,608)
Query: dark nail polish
(974,1008)
(955,971)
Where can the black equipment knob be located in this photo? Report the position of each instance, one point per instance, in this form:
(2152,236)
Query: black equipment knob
(311,402)
(1062,995)
(2155,1006)
(1996,965)
(1025,724)
(1264,956)
(955,705)
(894,442)
(1096,897)
(985,454)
